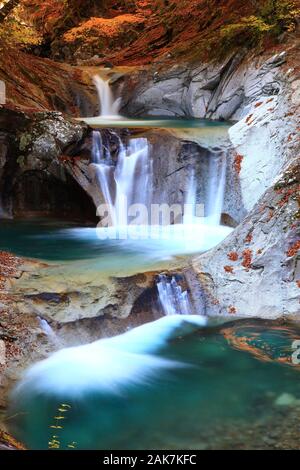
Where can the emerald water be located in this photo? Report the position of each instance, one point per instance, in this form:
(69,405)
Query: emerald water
(229,386)
(159,122)
(230,394)
(52,240)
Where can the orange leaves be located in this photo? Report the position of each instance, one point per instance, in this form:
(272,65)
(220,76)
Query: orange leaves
(248,238)
(287,194)
(247,259)
(233,256)
(228,269)
(232,310)
(10,441)
(237,164)
(293,249)
(95,28)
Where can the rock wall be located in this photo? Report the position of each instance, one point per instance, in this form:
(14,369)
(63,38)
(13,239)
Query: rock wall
(256,270)
(33,180)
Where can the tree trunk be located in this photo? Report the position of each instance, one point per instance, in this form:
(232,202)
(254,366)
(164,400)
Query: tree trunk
(7,8)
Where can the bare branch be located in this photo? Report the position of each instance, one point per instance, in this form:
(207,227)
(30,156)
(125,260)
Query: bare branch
(7,9)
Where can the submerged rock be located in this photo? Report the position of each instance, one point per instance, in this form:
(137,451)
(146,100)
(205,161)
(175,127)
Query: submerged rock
(286,399)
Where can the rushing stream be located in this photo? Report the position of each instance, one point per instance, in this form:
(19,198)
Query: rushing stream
(230,387)
(182,382)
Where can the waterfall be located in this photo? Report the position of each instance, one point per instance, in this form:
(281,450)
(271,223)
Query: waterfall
(190,201)
(216,188)
(129,181)
(49,332)
(97,149)
(109,106)
(172,298)
(214,194)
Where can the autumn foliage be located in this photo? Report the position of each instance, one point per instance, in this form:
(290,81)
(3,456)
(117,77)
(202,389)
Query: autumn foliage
(138,31)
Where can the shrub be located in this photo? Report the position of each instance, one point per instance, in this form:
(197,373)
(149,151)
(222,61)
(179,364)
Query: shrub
(272,19)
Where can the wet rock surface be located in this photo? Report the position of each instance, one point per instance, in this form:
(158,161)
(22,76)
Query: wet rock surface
(33,180)
(255,271)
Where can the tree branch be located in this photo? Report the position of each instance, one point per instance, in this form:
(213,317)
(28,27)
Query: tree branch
(7,9)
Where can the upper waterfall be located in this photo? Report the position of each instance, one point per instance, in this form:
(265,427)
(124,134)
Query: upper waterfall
(109,106)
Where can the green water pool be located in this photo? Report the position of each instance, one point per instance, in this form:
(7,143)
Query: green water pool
(240,389)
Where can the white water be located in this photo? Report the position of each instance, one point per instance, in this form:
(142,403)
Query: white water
(108,364)
(109,106)
(129,182)
(190,201)
(172,298)
(49,332)
(216,188)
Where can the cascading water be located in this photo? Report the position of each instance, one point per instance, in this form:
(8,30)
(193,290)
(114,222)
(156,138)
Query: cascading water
(49,332)
(172,298)
(126,184)
(109,106)
(190,201)
(216,188)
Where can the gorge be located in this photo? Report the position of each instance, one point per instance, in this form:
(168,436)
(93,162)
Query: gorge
(145,181)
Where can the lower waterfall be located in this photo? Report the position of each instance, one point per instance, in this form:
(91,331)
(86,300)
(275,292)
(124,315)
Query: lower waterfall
(172,298)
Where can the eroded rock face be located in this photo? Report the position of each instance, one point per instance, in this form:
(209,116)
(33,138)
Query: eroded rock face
(34,84)
(175,156)
(256,270)
(250,273)
(213,90)
(257,92)
(33,179)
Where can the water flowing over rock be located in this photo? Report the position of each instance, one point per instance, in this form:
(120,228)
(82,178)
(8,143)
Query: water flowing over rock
(173,299)
(109,106)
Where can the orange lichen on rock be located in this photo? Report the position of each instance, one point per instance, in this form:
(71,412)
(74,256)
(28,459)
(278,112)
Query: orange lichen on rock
(258,104)
(298,284)
(247,259)
(228,269)
(233,256)
(293,249)
(237,164)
